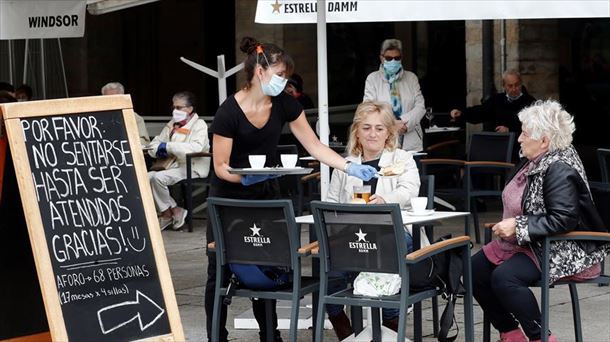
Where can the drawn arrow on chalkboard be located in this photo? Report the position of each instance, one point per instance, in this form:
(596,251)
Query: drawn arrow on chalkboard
(144,309)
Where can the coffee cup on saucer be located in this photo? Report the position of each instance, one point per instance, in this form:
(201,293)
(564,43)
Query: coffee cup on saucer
(418,204)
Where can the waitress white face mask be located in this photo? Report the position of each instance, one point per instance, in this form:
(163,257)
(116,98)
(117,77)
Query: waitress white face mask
(179,115)
(277,83)
(275,86)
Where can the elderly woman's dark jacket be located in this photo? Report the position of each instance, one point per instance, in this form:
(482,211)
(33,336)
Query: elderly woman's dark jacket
(556,200)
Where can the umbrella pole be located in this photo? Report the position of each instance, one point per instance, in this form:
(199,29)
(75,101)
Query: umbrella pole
(323,92)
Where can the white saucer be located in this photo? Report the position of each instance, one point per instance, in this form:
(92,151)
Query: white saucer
(421,213)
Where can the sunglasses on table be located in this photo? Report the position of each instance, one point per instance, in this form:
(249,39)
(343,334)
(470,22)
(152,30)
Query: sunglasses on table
(389,58)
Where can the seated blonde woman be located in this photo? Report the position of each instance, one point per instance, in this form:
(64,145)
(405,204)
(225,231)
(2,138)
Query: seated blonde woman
(373,140)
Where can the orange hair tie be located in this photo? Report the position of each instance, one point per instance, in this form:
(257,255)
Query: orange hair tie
(259,49)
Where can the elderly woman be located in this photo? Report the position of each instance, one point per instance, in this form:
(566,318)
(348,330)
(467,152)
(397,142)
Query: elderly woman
(184,133)
(400,88)
(373,141)
(548,194)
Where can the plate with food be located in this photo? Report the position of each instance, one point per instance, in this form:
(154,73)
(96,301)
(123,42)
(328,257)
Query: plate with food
(392,170)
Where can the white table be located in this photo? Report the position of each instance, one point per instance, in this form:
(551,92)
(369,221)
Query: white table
(386,333)
(406,217)
(442,129)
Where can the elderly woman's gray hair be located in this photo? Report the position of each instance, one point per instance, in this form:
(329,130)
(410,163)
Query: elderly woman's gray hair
(549,119)
(391,44)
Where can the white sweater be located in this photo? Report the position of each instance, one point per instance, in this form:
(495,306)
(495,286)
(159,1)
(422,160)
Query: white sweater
(190,138)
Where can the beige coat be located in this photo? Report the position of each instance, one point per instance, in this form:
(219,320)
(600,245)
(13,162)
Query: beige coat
(377,88)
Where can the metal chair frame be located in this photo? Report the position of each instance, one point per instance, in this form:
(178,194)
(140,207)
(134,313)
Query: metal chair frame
(545,285)
(473,167)
(603,156)
(294,181)
(405,298)
(299,286)
(189,182)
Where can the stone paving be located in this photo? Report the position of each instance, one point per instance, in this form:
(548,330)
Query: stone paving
(187,261)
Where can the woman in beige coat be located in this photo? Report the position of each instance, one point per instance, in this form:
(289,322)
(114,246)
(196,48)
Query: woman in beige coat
(373,141)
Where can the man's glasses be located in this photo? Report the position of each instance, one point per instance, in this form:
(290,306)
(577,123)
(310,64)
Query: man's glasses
(389,58)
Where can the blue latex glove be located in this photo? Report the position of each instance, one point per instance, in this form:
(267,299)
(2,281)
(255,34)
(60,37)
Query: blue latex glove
(248,180)
(364,172)
(162,150)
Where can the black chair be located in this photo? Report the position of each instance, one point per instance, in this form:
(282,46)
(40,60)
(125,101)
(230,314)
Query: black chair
(276,243)
(603,157)
(291,186)
(481,175)
(357,238)
(189,183)
(601,197)
(426,189)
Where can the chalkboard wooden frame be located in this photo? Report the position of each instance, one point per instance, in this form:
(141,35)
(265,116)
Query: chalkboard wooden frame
(12,114)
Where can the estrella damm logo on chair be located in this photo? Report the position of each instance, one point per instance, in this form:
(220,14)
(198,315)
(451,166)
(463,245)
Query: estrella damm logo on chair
(256,239)
(362,245)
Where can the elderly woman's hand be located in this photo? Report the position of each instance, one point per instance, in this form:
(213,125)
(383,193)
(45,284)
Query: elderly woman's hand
(376,199)
(505,228)
(401,126)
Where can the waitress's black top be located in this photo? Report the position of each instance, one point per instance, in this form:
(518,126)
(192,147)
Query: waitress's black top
(231,122)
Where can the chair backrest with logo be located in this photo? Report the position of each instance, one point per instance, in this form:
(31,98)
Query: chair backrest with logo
(360,238)
(262,232)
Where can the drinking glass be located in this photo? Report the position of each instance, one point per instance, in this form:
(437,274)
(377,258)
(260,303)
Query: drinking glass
(363,192)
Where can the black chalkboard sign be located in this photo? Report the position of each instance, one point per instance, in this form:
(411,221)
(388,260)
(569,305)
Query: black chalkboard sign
(91,220)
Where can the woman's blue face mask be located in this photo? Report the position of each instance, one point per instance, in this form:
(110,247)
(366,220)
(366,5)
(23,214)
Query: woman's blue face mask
(275,86)
(392,67)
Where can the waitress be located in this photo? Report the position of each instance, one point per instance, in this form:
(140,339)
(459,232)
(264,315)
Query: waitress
(250,122)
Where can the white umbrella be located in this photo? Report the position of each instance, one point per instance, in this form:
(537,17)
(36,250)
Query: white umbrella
(341,11)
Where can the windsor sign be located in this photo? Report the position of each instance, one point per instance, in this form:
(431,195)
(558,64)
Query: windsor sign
(91,220)
(32,19)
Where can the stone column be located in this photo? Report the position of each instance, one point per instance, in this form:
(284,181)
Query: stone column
(245,12)
(539,57)
(474,54)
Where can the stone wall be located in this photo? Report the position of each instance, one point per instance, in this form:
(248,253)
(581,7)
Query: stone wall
(531,47)
(245,12)
(539,57)
(474,55)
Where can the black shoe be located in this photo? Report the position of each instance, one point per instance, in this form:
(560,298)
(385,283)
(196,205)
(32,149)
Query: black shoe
(391,323)
(263,337)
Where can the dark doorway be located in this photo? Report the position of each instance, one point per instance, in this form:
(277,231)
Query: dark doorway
(584,84)
(443,81)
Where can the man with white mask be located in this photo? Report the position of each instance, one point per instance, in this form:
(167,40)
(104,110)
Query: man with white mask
(184,133)
(400,88)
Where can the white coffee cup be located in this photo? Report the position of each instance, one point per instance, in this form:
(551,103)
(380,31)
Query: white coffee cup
(257,161)
(289,160)
(418,204)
